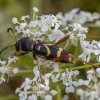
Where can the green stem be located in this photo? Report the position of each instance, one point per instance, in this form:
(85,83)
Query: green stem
(38,4)
(24,72)
(34,15)
(91,25)
(59,97)
(79,67)
(76,96)
(63,66)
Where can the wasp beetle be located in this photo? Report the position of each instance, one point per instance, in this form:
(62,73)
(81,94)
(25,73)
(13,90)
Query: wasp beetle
(44,50)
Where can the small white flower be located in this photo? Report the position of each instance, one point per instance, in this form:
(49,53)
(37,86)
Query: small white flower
(55,67)
(23,95)
(56,35)
(65,97)
(22,26)
(32,97)
(23,17)
(75,83)
(17,90)
(3,62)
(71,88)
(28,80)
(53,92)
(98,72)
(27,31)
(72,36)
(46,79)
(96,52)
(18,29)
(67,90)
(81,36)
(87,53)
(36,71)
(2,69)
(76,72)
(45,87)
(89,76)
(92,75)
(12,59)
(15,70)
(93,95)
(35,9)
(33,24)
(48,97)
(55,78)
(79,92)
(14,20)
(78,27)
(44,28)
(86,82)
(92,72)
(81,82)
(26,85)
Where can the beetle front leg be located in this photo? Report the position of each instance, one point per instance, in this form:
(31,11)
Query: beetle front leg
(20,54)
(40,75)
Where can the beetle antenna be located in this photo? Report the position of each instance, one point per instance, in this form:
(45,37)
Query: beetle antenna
(6,48)
(12,32)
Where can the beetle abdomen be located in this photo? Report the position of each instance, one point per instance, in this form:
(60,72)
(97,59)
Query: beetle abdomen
(49,51)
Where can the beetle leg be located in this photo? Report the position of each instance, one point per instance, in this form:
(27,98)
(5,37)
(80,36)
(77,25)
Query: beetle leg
(40,75)
(63,39)
(67,37)
(34,56)
(84,61)
(20,54)
(67,56)
(60,58)
(6,48)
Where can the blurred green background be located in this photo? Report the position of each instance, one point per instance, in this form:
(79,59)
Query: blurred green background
(18,8)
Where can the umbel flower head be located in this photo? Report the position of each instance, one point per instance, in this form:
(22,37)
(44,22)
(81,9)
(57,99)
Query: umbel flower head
(40,28)
(6,70)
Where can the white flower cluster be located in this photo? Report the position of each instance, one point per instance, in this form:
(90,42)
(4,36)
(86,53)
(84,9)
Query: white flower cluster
(78,16)
(35,88)
(93,86)
(77,33)
(45,28)
(90,49)
(32,89)
(6,70)
(67,80)
(53,66)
